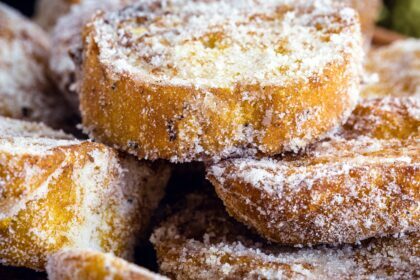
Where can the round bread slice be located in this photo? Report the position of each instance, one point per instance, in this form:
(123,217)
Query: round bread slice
(78,264)
(202,242)
(394,70)
(26,91)
(198,80)
(340,191)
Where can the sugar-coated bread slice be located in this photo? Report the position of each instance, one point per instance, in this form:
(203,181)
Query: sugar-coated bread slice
(66,38)
(48,12)
(369,12)
(340,191)
(79,264)
(394,70)
(26,92)
(201,241)
(67,193)
(196,80)
(16,128)
(385,118)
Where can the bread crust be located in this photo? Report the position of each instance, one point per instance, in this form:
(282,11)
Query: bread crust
(160,119)
(384,118)
(67,193)
(330,193)
(342,191)
(73,264)
(201,241)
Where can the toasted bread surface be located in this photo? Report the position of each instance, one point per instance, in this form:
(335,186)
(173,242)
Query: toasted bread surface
(178,82)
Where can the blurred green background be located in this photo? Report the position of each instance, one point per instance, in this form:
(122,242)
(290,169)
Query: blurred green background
(402,16)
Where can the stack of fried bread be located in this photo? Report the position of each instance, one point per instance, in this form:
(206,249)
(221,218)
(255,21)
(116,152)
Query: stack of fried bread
(311,148)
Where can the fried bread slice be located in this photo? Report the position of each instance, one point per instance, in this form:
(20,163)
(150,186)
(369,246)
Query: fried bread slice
(385,118)
(66,38)
(77,264)
(16,128)
(369,13)
(178,81)
(339,191)
(48,12)
(58,193)
(201,241)
(394,70)
(26,92)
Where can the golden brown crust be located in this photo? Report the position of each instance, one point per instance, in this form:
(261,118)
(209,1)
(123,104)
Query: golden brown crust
(160,119)
(385,118)
(73,264)
(341,191)
(202,242)
(66,193)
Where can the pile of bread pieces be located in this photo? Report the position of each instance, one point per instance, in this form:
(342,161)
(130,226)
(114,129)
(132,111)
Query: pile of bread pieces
(309,136)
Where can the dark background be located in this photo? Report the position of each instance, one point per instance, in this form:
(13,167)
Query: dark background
(25,6)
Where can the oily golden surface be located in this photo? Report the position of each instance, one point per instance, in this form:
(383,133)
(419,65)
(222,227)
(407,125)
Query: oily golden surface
(201,241)
(56,194)
(92,265)
(185,123)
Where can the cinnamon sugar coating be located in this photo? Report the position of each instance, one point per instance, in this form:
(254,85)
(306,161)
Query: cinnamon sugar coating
(176,79)
(340,191)
(202,242)
(385,118)
(57,194)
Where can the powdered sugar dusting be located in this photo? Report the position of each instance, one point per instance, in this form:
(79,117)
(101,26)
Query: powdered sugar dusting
(212,44)
(57,193)
(202,242)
